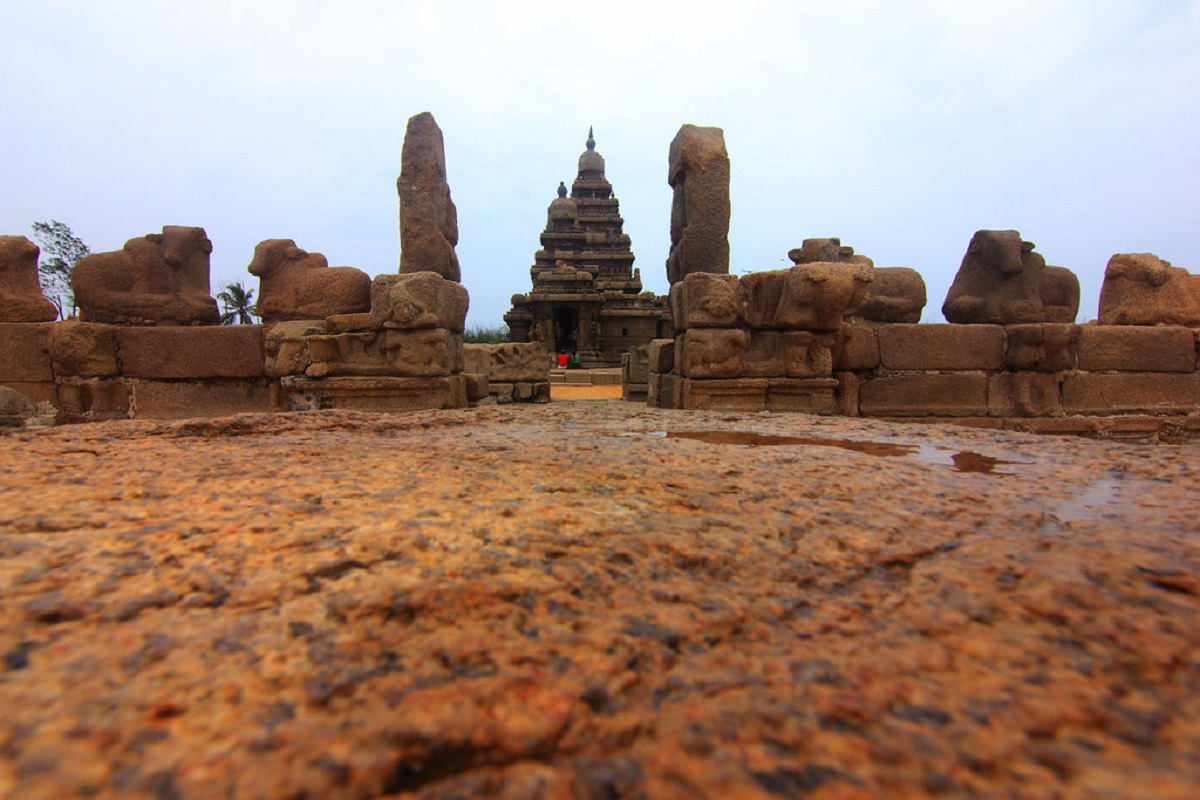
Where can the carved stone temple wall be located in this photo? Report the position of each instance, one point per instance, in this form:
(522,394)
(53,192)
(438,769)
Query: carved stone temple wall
(587,298)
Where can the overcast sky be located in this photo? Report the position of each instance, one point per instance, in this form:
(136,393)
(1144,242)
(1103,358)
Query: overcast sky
(900,127)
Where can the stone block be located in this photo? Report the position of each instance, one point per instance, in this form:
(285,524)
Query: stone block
(428,218)
(541,392)
(503,392)
(89,400)
(210,398)
(219,351)
(635,392)
(1127,348)
(846,396)
(787,354)
(1025,394)
(711,353)
(941,347)
(935,395)
(522,392)
(378,393)
(83,349)
(349,323)
(418,300)
(433,352)
(662,356)
(698,172)
(806,396)
(508,361)
(707,300)
(670,391)
(739,394)
(1045,347)
(635,365)
(477,386)
(24,352)
(856,347)
(1132,393)
(285,346)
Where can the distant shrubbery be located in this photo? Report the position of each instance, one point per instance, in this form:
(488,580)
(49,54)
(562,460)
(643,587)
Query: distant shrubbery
(483,334)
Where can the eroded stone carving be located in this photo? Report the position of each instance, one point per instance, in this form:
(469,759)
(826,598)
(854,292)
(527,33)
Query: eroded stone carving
(428,218)
(21,298)
(160,278)
(896,294)
(705,300)
(1143,289)
(1003,281)
(698,171)
(828,249)
(813,297)
(294,284)
(418,300)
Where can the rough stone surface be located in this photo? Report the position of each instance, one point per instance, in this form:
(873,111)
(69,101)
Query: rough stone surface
(698,172)
(428,218)
(1137,349)
(161,278)
(1132,393)
(431,352)
(83,349)
(1003,281)
(21,298)
(707,300)
(15,408)
(960,394)
(1143,289)
(24,352)
(711,353)
(418,300)
(225,351)
(933,347)
(508,362)
(400,605)
(897,294)
(1047,347)
(294,284)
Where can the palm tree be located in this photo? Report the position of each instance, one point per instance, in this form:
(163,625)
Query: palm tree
(237,302)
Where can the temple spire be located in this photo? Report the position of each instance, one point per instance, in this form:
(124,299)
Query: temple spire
(591,140)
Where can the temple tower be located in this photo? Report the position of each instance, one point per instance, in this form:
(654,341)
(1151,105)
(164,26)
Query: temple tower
(587,298)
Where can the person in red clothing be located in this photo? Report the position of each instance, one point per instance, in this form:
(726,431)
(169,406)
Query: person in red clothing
(563,360)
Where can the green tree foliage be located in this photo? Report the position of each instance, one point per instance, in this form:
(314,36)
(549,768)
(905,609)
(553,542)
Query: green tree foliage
(236,304)
(61,251)
(481,334)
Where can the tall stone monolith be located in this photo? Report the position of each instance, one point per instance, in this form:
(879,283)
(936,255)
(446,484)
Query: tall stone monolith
(428,218)
(699,174)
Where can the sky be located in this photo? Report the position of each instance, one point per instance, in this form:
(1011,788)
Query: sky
(901,128)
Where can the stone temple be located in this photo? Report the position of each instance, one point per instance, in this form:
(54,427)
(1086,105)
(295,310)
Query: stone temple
(587,298)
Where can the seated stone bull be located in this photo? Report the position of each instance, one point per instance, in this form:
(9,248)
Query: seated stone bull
(1002,281)
(827,250)
(1143,289)
(295,284)
(157,279)
(21,298)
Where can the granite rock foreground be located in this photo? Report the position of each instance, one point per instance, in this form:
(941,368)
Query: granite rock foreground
(594,600)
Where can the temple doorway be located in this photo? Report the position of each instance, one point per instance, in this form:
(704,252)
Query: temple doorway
(566,330)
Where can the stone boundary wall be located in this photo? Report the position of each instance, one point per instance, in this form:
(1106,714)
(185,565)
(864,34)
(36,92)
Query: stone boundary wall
(90,371)
(1045,376)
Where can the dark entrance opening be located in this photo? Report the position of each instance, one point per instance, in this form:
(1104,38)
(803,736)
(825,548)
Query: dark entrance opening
(566,330)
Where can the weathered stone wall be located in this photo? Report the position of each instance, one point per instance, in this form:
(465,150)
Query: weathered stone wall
(511,372)
(1059,374)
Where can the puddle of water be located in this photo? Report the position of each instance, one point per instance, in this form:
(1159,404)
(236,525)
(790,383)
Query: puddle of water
(1088,504)
(960,461)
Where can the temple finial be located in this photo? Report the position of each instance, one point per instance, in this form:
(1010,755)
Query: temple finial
(591,140)
(562,189)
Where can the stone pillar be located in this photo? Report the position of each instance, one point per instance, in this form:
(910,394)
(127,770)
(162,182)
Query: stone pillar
(428,218)
(699,174)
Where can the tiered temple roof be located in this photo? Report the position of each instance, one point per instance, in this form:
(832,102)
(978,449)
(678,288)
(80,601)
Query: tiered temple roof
(587,298)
